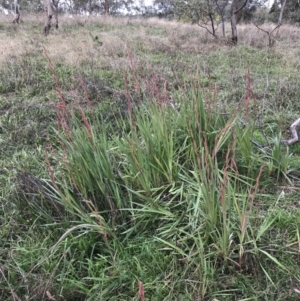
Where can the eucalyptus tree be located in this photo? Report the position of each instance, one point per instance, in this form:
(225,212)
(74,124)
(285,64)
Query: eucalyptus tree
(204,13)
(220,6)
(209,14)
(236,7)
(102,7)
(17,12)
(288,11)
(50,8)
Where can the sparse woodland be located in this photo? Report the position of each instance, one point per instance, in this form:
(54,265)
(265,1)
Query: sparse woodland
(143,159)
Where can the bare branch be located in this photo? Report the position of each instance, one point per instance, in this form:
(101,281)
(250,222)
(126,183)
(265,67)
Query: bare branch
(278,25)
(210,32)
(241,7)
(294,133)
(269,33)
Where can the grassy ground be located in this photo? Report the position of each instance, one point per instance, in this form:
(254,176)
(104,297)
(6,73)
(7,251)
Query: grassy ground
(141,160)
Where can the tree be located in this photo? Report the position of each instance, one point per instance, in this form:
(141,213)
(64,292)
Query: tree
(220,6)
(103,7)
(51,9)
(204,13)
(17,12)
(236,7)
(271,32)
(164,8)
(290,11)
(208,14)
(106,7)
(281,12)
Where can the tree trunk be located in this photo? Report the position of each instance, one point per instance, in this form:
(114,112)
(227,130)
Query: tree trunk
(212,24)
(281,13)
(90,7)
(106,7)
(234,13)
(234,21)
(223,26)
(51,8)
(48,16)
(17,12)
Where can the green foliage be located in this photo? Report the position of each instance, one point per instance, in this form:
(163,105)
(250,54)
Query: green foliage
(290,14)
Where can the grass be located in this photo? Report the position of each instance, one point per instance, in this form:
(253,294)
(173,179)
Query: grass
(146,164)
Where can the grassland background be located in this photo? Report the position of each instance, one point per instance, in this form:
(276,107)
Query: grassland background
(93,59)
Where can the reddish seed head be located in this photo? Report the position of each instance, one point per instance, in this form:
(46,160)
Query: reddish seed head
(61,106)
(141,291)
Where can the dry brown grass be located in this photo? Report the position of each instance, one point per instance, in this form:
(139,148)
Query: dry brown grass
(106,39)
(74,42)
(287,36)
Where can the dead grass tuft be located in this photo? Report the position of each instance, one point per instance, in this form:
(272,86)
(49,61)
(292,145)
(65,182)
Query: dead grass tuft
(285,36)
(105,38)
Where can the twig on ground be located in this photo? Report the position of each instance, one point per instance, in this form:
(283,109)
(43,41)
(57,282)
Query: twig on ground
(294,133)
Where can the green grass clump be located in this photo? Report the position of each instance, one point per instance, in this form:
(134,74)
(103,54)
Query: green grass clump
(146,164)
(175,179)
